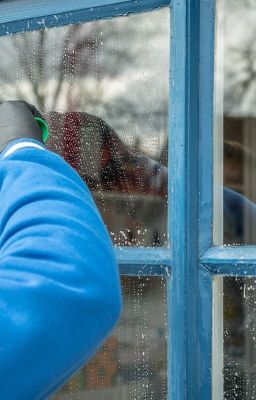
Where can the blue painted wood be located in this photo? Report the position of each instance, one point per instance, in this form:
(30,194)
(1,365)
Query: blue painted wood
(176,287)
(230,260)
(206,85)
(144,261)
(205,336)
(232,268)
(230,254)
(33,9)
(184,200)
(26,15)
(206,68)
(143,255)
(145,270)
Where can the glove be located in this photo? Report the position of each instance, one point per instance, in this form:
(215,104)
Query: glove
(17,121)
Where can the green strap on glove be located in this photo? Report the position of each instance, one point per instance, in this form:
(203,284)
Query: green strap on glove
(43,127)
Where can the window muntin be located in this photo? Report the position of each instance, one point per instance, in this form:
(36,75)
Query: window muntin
(117,70)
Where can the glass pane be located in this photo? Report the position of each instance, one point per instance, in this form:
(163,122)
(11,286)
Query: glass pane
(103,87)
(235,119)
(239,338)
(132,363)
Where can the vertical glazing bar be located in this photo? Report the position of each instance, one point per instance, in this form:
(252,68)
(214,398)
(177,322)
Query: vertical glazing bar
(184,200)
(176,301)
(207,29)
(206,85)
(218,74)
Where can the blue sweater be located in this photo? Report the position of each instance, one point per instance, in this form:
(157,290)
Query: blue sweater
(59,285)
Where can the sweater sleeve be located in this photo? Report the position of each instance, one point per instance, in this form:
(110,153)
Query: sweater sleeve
(59,285)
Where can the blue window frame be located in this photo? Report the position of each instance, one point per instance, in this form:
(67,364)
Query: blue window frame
(191,263)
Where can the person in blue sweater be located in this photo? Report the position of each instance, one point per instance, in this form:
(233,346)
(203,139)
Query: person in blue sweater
(60,291)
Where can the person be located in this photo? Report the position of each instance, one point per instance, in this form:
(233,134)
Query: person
(59,284)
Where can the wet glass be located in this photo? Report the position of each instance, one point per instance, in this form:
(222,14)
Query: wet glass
(132,362)
(235,121)
(103,88)
(239,338)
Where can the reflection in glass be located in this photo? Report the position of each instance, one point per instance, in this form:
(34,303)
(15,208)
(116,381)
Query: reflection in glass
(236,87)
(115,71)
(239,338)
(132,363)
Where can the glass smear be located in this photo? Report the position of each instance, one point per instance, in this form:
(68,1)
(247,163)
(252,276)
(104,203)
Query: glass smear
(239,338)
(236,28)
(103,88)
(132,362)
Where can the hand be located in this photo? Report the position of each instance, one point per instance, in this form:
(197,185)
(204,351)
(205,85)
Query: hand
(17,120)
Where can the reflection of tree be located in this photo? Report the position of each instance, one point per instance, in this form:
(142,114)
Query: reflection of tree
(36,65)
(241,76)
(103,68)
(61,58)
(240,59)
(250,3)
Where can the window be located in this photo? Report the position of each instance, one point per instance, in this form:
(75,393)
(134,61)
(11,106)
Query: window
(235,133)
(138,95)
(107,110)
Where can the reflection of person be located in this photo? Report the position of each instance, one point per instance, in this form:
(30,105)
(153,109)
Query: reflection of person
(239,209)
(115,167)
(236,206)
(59,286)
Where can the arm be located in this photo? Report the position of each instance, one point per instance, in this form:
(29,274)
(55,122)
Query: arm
(59,286)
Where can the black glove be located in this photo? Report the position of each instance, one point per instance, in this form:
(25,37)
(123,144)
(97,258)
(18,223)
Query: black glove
(17,120)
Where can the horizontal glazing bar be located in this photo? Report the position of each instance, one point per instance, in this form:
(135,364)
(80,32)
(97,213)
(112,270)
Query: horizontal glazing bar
(230,260)
(26,15)
(145,270)
(144,261)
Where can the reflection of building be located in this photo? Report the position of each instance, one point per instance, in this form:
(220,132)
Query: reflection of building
(129,188)
(132,363)
(103,370)
(240,168)
(239,294)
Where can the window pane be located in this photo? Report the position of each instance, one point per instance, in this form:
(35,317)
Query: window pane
(235,119)
(132,362)
(103,87)
(239,338)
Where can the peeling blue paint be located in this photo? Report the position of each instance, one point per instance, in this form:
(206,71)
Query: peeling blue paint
(28,15)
